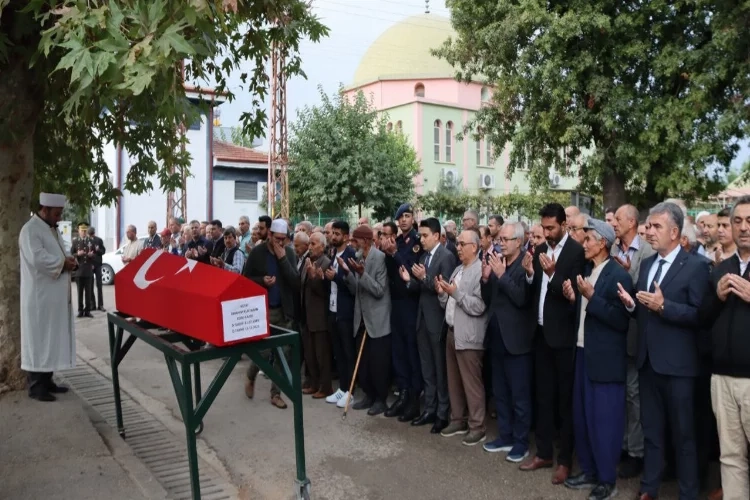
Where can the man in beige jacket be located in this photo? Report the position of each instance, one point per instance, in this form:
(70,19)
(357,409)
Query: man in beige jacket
(466,318)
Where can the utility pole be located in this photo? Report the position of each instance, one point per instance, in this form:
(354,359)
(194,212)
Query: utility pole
(177,199)
(278,157)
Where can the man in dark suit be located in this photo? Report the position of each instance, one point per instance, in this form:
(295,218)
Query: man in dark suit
(217,238)
(601,363)
(436,261)
(99,250)
(313,318)
(629,251)
(403,250)
(83,251)
(274,267)
(510,339)
(559,259)
(670,289)
(341,312)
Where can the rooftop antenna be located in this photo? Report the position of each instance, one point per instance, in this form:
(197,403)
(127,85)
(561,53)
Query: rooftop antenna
(426,6)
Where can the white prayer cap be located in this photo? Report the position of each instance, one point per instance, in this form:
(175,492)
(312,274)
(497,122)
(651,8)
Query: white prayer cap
(51,200)
(279,226)
(701,215)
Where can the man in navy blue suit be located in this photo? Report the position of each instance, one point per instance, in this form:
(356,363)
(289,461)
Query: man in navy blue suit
(670,289)
(601,363)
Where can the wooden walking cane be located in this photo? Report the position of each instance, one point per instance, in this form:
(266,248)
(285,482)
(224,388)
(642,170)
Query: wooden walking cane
(350,396)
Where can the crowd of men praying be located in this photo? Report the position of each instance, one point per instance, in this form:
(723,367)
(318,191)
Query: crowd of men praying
(624,340)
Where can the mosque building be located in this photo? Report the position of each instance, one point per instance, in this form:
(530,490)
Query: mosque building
(423,99)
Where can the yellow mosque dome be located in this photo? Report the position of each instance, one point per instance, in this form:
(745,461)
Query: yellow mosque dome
(403,51)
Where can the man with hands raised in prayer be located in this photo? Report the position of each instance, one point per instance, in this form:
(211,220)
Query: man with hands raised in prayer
(671,286)
(436,261)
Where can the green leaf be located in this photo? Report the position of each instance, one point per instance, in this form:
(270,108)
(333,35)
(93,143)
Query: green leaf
(178,43)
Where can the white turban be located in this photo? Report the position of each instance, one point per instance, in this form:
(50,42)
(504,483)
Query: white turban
(279,226)
(51,200)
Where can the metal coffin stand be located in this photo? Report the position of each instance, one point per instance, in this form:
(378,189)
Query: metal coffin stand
(192,401)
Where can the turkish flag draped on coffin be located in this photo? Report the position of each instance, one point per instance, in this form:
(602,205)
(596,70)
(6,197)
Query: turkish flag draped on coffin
(192,298)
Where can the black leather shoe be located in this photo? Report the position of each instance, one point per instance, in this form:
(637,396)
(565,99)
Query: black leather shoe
(630,467)
(80,315)
(43,396)
(88,315)
(397,408)
(439,425)
(57,389)
(102,309)
(580,482)
(363,404)
(603,492)
(377,408)
(411,410)
(424,419)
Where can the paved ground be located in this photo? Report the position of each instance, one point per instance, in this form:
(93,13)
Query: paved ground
(364,457)
(52,450)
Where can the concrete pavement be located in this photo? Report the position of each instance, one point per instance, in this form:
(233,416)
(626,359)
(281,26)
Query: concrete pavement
(364,457)
(54,450)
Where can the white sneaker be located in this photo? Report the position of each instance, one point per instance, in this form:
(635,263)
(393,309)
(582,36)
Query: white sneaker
(342,402)
(334,398)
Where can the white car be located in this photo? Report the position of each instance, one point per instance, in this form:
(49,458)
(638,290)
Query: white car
(112,263)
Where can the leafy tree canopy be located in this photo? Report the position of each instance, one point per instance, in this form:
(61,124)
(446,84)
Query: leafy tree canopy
(640,97)
(111,72)
(341,156)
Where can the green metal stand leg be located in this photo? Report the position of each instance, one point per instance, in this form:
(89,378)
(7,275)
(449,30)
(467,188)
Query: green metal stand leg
(191,425)
(198,392)
(115,343)
(303,483)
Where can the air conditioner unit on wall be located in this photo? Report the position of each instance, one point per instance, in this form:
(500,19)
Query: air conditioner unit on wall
(554,178)
(486,181)
(449,175)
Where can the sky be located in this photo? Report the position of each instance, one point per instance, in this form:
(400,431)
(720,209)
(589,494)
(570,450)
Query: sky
(354,25)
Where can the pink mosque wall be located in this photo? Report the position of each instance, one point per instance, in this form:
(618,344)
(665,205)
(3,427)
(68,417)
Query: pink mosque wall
(392,93)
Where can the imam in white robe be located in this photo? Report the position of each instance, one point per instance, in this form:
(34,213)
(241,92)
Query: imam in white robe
(47,333)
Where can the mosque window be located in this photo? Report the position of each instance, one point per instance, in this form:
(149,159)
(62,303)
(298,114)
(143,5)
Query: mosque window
(419,90)
(485,94)
(437,129)
(389,127)
(399,126)
(479,147)
(448,141)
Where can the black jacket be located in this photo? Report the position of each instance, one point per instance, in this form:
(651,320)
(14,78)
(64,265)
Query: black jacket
(730,324)
(509,299)
(605,327)
(288,280)
(559,314)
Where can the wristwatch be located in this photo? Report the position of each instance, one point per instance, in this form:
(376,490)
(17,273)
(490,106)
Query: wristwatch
(661,309)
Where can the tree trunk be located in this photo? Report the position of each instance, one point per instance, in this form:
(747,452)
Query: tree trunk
(613,189)
(19,111)
(16,184)
(359,211)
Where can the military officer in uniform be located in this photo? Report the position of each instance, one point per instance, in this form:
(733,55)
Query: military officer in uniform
(83,251)
(403,250)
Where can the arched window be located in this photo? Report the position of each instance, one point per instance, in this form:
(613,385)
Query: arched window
(485,94)
(437,139)
(419,90)
(448,142)
(399,126)
(389,127)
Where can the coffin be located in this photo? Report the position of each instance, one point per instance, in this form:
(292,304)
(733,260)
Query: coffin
(192,298)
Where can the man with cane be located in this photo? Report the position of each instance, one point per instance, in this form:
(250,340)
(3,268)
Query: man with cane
(372,312)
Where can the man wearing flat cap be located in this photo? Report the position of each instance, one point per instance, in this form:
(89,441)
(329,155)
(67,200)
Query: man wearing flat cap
(47,334)
(404,251)
(600,362)
(273,266)
(83,250)
(367,277)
